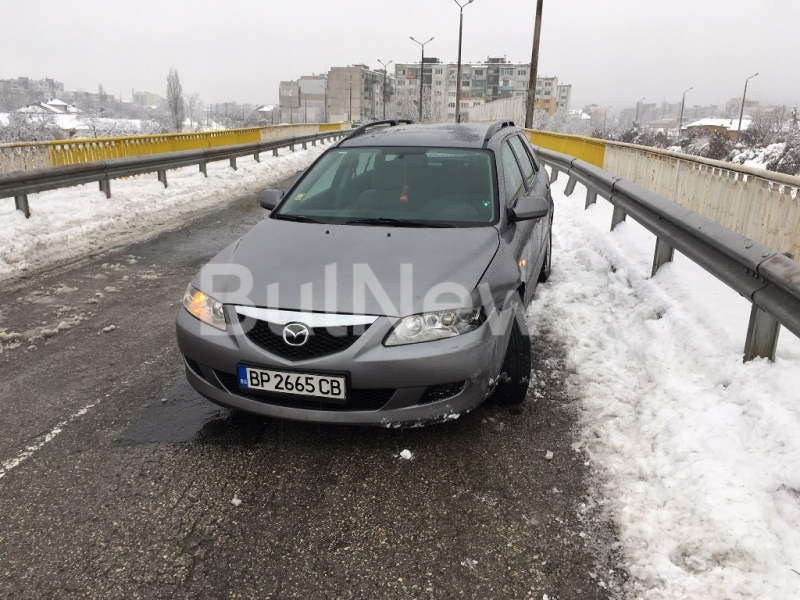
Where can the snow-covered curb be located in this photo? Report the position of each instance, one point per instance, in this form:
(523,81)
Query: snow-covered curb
(72,222)
(698,453)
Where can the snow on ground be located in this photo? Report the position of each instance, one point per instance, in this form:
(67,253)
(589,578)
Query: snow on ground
(72,222)
(697,453)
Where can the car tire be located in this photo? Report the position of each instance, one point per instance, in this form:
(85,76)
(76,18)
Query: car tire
(516,371)
(544,274)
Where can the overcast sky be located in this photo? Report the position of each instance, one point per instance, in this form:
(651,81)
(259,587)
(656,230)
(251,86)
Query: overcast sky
(613,52)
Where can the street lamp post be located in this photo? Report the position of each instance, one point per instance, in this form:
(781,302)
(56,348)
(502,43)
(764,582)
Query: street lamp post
(350,92)
(305,106)
(458,76)
(385,72)
(530,98)
(741,112)
(680,121)
(638,102)
(422,74)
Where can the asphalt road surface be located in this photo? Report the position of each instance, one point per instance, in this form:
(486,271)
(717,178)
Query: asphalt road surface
(118,481)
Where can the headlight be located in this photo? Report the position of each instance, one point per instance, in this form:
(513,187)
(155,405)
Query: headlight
(438,325)
(204,308)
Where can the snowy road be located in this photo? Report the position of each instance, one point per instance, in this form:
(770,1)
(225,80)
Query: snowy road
(117,481)
(675,469)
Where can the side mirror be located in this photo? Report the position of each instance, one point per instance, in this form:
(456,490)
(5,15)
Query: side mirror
(530,207)
(270,198)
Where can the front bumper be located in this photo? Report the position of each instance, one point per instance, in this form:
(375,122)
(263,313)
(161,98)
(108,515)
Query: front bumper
(402,373)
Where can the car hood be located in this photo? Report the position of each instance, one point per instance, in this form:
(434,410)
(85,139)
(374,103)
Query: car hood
(350,269)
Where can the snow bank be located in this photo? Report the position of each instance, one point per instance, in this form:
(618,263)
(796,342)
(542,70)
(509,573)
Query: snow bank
(70,222)
(698,453)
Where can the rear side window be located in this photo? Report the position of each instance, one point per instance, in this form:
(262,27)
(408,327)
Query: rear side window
(528,172)
(515,184)
(537,164)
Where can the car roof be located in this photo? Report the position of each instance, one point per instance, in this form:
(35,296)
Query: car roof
(438,135)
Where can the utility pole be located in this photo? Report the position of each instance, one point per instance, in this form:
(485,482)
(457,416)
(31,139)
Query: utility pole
(458,75)
(422,75)
(531,96)
(680,120)
(350,91)
(385,72)
(741,112)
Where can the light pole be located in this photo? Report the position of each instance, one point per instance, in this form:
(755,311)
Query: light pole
(422,75)
(605,115)
(305,106)
(680,121)
(638,102)
(458,76)
(350,92)
(741,112)
(385,72)
(530,99)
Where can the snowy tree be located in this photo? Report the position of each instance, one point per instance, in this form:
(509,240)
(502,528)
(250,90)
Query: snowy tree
(175,99)
(193,104)
(30,127)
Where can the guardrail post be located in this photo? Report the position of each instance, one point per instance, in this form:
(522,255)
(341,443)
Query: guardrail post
(591,198)
(553,174)
(570,186)
(305,146)
(257,157)
(233,163)
(204,168)
(291,147)
(274,152)
(313,142)
(618,217)
(162,177)
(762,335)
(664,253)
(105,187)
(21,202)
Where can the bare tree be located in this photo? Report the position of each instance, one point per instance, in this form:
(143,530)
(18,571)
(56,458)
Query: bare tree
(175,99)
(193,103)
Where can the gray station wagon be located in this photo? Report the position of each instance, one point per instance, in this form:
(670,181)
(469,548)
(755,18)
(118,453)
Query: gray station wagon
(387,287)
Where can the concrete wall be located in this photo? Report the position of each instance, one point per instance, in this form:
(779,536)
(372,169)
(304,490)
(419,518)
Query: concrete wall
(508,108)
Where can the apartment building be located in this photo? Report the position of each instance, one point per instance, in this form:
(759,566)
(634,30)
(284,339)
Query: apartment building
(492,80)
(357,93)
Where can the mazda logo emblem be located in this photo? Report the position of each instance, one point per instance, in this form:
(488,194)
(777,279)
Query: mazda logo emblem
(296,334)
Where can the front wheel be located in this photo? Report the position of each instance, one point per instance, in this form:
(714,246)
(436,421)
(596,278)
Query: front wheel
(544,274)
(516,372)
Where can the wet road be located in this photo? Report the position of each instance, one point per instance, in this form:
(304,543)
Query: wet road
(118,481)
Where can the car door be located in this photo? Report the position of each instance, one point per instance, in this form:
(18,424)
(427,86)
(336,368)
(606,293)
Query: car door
(515,187)
(536,184)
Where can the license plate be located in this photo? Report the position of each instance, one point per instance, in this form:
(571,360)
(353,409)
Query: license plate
(329,387)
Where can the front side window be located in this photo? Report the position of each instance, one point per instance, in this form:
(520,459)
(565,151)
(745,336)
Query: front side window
(425,187)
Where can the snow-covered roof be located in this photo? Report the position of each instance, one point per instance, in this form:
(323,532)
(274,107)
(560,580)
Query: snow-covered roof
(266,108)
(726,123)
(53,105)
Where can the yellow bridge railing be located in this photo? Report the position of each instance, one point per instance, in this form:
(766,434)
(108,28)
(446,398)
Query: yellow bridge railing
(589,149)
(17,157)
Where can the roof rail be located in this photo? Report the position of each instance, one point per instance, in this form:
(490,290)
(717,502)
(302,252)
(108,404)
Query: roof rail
(391,122)
(494,128)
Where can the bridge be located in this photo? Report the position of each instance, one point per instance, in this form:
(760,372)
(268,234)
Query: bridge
(650,457)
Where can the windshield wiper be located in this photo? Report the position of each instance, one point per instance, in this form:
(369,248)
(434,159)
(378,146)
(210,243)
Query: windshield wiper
(395,222)
(298,218)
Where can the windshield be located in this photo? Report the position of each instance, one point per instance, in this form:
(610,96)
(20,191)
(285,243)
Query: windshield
(423,187)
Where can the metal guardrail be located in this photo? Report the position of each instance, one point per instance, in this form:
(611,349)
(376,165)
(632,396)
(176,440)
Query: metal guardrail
(19,184)
(768,279)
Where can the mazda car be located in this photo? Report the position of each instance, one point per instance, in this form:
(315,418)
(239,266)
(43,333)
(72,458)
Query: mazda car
(387,286)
